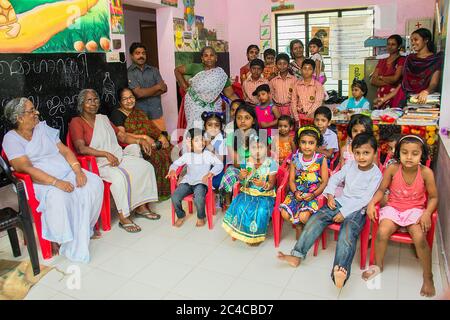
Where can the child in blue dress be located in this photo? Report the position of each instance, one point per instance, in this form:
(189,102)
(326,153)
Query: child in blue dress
(248,216)
(358,102)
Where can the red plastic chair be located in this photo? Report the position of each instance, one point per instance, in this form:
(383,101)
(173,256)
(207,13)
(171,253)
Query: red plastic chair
(402,237)
(46,246)
(89,163)
(335,161)
(210,200)
(282,183)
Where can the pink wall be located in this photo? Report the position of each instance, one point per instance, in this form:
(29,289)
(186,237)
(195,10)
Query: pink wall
(243,19)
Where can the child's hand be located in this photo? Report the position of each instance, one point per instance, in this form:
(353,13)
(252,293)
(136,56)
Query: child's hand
(243,174)
(331,203)
(258,182)
(298,195)
(172,174)
(371,212)
(338,218)
(206,177)
(308,196)
(425,222)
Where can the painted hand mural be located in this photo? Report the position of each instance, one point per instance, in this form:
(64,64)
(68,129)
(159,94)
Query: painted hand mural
(54,25)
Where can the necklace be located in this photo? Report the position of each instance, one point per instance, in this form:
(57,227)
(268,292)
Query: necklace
(125,112)
(87,121)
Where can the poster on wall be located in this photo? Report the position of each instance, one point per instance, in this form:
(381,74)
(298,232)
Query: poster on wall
(189,13)
(282,5)
(116,16)
(172,3)
(200,26)
(264,44)
(322,33)
(414,24)
(265,19)
(219,45)
(355,71)
(178,31)
(76,26)
(264,33)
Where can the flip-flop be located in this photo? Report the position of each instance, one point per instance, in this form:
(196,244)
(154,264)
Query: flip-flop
(376,271)
(124,226)
(146,214)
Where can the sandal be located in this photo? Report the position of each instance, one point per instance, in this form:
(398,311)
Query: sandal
(148,214)
(375,271)
(127,227)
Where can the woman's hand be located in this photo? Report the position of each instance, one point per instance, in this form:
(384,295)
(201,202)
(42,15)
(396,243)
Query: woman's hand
(378,102)
(81,179)
(422,96)
(243,174)
(165,143)
(258,182)
(425,222)
(172,174)
(151,141)
(112,159)
(147,147)
(338,218)
(64,186)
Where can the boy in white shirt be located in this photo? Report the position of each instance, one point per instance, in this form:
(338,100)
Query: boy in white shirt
(198,162)
(361,178)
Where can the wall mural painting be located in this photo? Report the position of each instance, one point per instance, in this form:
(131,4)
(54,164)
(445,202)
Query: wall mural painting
(41,26)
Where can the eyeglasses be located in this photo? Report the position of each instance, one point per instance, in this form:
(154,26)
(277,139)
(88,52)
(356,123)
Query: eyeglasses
(130,98)
(34,110)
(93,101)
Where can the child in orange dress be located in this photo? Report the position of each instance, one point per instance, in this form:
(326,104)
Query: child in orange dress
(284,141)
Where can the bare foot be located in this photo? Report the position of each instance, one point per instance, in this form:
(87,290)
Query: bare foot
(428,289)
(291,260)
(179,222)
(372,272)
(200,223)
(97,235)
(340,274)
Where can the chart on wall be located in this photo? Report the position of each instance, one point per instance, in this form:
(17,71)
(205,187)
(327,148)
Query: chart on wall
(41,26)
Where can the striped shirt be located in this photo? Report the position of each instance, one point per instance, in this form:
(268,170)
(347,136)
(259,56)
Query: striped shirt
(282,89)
(306,98)
(250,86)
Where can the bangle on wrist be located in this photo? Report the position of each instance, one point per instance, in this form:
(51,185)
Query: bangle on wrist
(75,164)
(54,182)
(138,141)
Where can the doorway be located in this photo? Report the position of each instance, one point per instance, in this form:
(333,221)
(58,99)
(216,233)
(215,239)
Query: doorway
(150,40)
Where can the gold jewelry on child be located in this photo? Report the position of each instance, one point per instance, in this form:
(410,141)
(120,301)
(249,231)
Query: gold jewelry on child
(75,164)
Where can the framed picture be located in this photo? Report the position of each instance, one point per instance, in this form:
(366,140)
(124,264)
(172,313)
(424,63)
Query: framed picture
(264,33)
(322,33)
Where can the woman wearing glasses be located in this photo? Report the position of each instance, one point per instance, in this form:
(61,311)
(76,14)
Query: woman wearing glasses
(133,181)
(70,198)
(129,118)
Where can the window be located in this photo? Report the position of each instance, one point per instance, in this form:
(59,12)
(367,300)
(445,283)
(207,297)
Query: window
(290,26)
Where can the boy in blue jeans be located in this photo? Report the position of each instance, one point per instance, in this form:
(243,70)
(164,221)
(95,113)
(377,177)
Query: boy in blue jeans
(361,178)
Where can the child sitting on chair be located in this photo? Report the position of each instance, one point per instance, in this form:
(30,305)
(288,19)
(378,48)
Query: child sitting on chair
(322,120)
(361,178)
(198,162)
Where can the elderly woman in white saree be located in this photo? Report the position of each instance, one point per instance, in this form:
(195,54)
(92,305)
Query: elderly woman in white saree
(133,180)
(69,198)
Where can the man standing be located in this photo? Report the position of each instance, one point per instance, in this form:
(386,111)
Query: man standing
(147,85)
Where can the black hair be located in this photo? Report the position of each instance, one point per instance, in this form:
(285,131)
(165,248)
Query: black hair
(269,52)
(316,41)
(397,39)
(310,62)
(240,101)
(360,119)
(425,34)
(121,90)
(250,110)
(136,45)
(252,46)
(412,139)
(202,52)
(195,132)
(364,138)
(393,137)
(206,116)
(291,46)
(325,111)
(285,117)
(311,133)
(257,62)
(282,56)
(360,84)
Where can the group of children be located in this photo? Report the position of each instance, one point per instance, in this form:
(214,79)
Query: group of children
(263,134)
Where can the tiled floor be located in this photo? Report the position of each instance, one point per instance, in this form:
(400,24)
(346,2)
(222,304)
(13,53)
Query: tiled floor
(163,262)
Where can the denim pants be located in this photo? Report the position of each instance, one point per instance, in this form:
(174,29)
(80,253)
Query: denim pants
(348,235)
(185,189)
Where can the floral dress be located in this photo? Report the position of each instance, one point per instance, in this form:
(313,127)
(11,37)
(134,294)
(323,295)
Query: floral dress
(307,180)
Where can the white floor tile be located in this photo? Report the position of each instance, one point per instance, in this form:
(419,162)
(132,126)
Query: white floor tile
(314,280)
(136,291)
(204,284)
(163,274)
(242,289)
(206,236)
(174,296)
(154,244)
(100,251)
(127,263)
(41,292)
(297,295)
(96,285)
(188,252)
(62,296)
(410,275)
(378,288)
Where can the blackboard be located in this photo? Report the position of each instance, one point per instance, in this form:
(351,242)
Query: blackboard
(53,81)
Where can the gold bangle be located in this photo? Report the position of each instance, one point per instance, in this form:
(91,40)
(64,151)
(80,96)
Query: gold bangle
(75,164)
(54,182)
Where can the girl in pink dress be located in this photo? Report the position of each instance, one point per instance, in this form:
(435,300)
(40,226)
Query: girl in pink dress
(409,183)
(266,112)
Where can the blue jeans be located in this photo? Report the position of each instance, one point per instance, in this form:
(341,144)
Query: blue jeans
(185,189)
(348,235)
